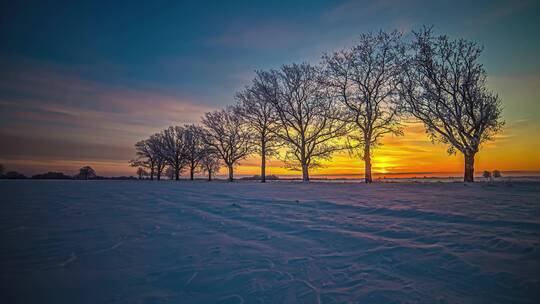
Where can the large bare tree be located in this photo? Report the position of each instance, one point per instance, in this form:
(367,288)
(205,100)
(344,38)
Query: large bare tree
(258,112)
(307,117)
(228,135)
(364,81)
(174,149)
(195,147)
(444,86)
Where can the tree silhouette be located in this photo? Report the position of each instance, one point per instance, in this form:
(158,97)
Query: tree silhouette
(444,86)
(307,117)
(14,175)
(228,135)
(174,149)
(2,168)
(52,175)
(195,147)
(259,114)
(149,154)
(364,81)
(86,173)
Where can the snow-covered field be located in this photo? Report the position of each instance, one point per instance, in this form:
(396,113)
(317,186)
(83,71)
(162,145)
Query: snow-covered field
(282,242)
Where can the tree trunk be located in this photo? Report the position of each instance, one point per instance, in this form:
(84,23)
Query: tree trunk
(230,173)
(152,174)
(191,172)
(305,173)
(158,177)
(469,168)
(177,173)
(209,175)
(367,160)
(263,162)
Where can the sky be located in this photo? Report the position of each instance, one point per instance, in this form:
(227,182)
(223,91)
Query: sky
(82,81)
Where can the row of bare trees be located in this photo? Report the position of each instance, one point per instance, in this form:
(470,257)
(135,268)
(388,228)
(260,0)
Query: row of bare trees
(304,113)
(176,148)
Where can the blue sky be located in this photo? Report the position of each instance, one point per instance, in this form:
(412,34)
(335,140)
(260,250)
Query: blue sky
(90,78)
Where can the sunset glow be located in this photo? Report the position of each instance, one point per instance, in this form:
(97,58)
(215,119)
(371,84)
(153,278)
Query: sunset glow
(63,107)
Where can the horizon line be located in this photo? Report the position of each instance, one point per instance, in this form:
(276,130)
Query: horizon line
(321,175)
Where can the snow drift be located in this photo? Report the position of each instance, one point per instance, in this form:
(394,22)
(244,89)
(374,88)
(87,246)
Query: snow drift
(281,242)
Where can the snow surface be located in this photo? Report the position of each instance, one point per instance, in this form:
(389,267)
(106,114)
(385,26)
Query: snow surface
(280,242)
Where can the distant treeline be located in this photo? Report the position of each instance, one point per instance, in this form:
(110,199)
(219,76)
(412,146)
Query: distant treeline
(88,173)
(304,113)
(85,173)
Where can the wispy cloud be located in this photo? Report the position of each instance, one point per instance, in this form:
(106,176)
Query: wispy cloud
(50,95)
(52,113)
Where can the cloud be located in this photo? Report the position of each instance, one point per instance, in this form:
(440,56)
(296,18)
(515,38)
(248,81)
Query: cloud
(70,90)
(25,147)
(49,112)
(54,98)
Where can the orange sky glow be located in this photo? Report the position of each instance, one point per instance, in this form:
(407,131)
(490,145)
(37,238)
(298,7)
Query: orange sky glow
(514,149)
(412,153)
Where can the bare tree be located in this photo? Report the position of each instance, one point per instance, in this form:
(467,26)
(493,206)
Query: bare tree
(195,147)
(228,135)
(149,155)
(444,86)
(364,81)
(86,173)
(174,149)
(210,163)
(304,110)
(2,168)
(144,157)
(258,112)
